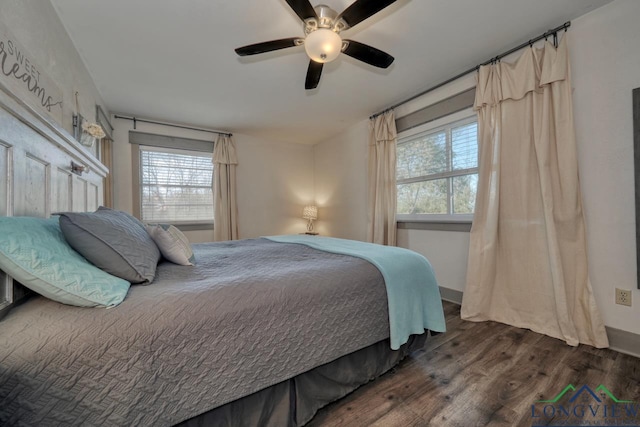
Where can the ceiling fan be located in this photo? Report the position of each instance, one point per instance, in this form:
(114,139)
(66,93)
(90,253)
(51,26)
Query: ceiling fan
(322,41)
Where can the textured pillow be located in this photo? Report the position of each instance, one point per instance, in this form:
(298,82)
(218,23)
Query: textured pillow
(173,244)
(35,253)
(114,241)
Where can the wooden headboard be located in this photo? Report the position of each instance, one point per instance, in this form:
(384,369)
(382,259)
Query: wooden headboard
(36,177)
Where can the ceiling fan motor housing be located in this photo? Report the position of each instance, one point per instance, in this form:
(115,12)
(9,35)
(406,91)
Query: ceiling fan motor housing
(326,19)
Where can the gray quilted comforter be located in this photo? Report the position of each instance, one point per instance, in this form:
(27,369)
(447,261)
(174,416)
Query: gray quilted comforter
(251,314)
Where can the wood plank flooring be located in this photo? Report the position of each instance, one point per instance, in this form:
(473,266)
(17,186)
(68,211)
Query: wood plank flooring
(490,374)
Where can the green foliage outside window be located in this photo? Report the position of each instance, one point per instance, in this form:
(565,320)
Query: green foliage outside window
(437,171)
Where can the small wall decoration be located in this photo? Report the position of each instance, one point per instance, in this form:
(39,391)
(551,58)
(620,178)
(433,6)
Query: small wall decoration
(85,131)
(22,76)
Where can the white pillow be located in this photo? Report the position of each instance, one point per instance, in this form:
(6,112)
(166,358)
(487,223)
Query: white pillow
(173,244)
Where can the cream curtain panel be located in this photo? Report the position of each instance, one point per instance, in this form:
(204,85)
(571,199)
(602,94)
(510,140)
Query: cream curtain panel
(528,255)
(382,180)
(225,206)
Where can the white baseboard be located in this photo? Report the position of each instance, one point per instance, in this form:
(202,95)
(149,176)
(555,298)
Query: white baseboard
(623,341)
(451,295)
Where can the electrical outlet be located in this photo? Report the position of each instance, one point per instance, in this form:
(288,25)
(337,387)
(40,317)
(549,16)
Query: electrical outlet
(623,297)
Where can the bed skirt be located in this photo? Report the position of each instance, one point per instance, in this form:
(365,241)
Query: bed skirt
(294,402)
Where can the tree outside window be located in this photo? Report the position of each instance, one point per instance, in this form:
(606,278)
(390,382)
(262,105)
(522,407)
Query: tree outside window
(437,171)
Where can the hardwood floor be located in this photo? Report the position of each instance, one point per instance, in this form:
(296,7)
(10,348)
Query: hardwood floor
(490,374)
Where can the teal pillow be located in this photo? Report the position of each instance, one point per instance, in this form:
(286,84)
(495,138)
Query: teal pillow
(35,253)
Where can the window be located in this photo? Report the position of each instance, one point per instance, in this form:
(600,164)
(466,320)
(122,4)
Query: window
(437,172)
(175,186)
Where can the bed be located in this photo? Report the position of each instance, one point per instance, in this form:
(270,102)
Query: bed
(250,315)
(258,332)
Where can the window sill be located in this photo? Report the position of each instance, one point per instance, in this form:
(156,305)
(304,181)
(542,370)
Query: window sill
(182,226)
(436,225)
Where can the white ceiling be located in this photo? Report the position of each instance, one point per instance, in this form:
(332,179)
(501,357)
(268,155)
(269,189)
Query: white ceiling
(174,60)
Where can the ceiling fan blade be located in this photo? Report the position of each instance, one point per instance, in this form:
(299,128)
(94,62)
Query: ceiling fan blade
(368,54)
(313,75)
(362,9)
(302,8)
(254,49)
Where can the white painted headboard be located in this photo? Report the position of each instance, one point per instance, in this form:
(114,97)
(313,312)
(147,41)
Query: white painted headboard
(35,172)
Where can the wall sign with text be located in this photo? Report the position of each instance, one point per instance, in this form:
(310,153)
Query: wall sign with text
(21,74)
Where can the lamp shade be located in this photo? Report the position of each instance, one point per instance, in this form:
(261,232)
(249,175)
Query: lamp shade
(323,45)
(310,212)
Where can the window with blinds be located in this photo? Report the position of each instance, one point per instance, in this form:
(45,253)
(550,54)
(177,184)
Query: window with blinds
(175,186)
(437,172)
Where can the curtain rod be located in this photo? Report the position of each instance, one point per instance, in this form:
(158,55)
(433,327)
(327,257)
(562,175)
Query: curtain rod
(552,32)
(135,119)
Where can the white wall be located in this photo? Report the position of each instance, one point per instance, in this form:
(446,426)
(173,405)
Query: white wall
(447,251)
(605,60)
(340,169)
(275,180)
(35,24)
(605,56)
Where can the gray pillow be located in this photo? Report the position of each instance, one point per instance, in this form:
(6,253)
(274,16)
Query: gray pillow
(114,241)
(173,244)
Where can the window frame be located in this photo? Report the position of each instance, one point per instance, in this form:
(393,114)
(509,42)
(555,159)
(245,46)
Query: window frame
(137,185)
(459,118)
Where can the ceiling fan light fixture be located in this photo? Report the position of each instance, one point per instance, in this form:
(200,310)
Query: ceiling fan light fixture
(323,45)
(322,26)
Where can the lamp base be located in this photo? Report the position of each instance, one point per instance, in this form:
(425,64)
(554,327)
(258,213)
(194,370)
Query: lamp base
(311,233)
(310,226)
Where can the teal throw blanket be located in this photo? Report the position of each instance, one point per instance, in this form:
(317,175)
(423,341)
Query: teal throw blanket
(412,290)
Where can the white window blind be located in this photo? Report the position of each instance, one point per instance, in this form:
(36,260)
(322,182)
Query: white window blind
(437,172)
(176,186)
